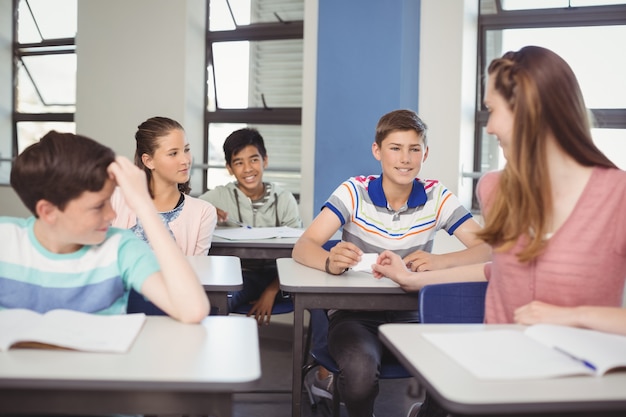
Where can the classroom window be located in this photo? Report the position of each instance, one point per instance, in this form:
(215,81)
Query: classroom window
(588,34)
(254,79)
(44,72)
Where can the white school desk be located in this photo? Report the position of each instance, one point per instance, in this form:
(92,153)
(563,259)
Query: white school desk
(273,248)
(172,368)
(218,275)
(312,288)
(461,393)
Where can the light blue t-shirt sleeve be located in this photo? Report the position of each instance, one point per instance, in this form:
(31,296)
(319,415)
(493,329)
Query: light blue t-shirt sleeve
(136,260)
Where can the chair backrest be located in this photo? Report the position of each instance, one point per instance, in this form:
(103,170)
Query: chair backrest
(457,302)
(329,245)
(138,304)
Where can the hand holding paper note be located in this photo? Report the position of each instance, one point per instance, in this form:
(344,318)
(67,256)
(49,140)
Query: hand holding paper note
(365,265)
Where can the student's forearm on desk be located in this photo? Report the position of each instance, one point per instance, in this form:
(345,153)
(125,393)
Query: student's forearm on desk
(605,319)
(476,254)
(309,253)
(474,272)
(392,266)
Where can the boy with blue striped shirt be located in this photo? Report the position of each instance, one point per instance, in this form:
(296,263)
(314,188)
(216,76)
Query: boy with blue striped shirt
(67,256)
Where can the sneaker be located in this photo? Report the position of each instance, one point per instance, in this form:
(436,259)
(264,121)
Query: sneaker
(322,388)
(430,408)
(414,410)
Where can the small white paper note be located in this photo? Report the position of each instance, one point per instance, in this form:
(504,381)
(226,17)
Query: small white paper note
(367,259)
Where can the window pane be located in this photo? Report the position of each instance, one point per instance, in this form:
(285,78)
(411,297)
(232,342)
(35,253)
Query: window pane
(613,143)
(283,150)
(5,160)
(610,141)
(491,157)
(47,83)
(231,65)
(30,132)
(246,12)
(53,19)
(245,72)
(603,85)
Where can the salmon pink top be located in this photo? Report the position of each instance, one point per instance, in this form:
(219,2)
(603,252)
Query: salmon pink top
(584,262)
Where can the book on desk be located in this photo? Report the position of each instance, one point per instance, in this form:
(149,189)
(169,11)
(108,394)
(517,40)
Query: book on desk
(540,351)
(67,329)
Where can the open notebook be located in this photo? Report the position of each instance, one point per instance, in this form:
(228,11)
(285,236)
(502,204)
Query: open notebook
(67,329)
(540,351)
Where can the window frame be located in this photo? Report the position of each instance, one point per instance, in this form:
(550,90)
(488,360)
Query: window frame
(45,47)
(261,31)
(531,19)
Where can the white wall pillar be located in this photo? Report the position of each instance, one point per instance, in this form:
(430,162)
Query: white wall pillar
(137,60)
(447,90)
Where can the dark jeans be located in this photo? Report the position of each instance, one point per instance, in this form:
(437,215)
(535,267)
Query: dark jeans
(354,345)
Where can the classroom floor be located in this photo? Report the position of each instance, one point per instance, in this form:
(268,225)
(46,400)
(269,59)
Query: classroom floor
(394,400)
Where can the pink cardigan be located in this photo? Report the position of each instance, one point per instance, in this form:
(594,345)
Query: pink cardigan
(584,262)
(193,228)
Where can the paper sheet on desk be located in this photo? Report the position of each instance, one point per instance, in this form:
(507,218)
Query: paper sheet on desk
(244,233)
(367,259)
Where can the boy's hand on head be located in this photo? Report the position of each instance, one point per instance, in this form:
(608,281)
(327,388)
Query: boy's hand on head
(342,256)
(420,261)
(132,181)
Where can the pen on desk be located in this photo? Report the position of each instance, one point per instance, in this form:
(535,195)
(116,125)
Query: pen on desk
(576,358)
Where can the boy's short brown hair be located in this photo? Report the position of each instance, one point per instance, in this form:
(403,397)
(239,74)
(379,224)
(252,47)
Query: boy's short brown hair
(59,168)
(400,120)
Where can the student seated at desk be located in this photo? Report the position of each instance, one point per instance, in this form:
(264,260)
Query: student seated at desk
(394,210)
(252,202)
(553,215)
(163,153)
(67,255)
(604,319)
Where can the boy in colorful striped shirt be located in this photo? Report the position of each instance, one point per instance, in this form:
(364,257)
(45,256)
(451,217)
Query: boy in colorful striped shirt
(394,210)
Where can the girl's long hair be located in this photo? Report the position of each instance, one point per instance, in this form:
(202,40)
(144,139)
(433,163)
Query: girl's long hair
(544,95)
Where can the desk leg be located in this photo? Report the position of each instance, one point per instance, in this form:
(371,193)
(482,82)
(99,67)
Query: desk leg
(298,353)
(219,300)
